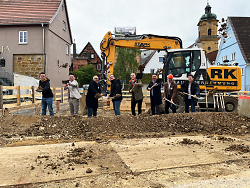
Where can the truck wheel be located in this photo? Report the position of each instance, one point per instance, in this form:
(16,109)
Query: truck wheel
(182,103)
(231,104)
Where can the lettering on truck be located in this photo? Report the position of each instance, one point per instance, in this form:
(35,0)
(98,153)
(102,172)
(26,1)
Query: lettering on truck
(142,45)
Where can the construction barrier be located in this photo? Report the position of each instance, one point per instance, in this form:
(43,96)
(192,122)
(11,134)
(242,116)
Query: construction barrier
(244,105)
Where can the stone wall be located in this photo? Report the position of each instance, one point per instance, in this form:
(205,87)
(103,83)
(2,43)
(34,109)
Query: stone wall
(30,65)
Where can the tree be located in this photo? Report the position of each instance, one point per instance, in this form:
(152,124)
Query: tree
(85,74)
(126,63)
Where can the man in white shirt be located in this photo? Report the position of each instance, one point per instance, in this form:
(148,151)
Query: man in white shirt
(74,95)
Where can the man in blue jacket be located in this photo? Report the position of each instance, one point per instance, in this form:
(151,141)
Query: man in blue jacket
(190,88)
(155,95)
(47,95)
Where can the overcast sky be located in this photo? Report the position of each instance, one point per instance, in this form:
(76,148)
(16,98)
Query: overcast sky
(91,20)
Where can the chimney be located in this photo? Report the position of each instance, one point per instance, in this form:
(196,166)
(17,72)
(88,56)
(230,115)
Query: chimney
(74,49)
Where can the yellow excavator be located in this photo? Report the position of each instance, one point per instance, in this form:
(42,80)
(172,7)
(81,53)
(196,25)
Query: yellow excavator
(179,62)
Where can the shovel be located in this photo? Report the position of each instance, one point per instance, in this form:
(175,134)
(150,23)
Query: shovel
(193,96)
(174,103)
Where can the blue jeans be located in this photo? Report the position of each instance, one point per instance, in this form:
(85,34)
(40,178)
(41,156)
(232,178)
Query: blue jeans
(47,102)
(116,106)
(92,111)
(193,104)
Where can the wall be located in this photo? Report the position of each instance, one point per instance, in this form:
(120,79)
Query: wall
(29,65)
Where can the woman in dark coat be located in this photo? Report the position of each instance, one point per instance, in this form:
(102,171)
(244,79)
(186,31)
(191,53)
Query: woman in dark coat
(94,91)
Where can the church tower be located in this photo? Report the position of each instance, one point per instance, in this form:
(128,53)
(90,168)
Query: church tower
(208,38)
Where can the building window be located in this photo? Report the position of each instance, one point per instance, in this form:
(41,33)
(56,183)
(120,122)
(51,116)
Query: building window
(233,56)
(64,26)
(99,67)
(160,59)
(92,56)
(221,61)
(209,32)
(152,71)
(67,49)
(2,63)
(209,48)
(23,37)
(209,23)
(225,57)
(62,7)
(80,66)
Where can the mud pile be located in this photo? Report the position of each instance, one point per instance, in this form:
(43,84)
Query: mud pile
(124,126)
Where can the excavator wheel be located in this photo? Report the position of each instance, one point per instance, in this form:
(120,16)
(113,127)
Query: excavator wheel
(181,103)
(231,104)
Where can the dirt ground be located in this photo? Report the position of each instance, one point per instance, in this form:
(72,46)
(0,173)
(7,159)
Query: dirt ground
(105,164)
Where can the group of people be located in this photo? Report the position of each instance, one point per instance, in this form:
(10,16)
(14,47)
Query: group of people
(189,88)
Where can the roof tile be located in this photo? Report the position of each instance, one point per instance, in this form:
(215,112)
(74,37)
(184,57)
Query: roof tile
(27,11)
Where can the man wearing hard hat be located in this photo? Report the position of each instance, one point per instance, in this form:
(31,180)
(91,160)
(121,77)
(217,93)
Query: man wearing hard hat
(170,94)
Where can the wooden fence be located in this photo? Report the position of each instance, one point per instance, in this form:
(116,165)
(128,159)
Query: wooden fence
(17,99)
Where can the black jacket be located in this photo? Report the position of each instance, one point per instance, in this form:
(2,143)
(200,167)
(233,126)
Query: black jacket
(47,93)
(195,89)
(116,88)
(156,93)
(93,89)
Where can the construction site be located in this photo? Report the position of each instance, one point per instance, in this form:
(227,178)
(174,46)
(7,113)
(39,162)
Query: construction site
(201,149)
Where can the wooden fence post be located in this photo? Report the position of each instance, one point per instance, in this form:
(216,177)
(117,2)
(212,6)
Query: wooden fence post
(18,96)
(1,97)
(54,93)
(33,94)
(62,94)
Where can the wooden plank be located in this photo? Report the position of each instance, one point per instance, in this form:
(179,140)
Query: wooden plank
(38,95)
(26,95)
(10,87)
(9,96)
(26,103)
(9,105)
(25,87)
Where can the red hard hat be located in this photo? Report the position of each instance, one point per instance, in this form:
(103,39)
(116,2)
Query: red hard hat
(170,76)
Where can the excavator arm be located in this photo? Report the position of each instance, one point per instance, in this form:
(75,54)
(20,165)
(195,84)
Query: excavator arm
(146,41)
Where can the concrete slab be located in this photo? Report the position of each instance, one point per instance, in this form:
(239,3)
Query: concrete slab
(19,165)
(162,153)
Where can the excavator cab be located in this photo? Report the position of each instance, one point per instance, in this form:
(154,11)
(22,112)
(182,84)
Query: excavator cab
(181,63)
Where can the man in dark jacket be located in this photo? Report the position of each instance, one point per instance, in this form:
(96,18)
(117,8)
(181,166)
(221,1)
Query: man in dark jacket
(116,94)
(135,87)
(92,96)
(155,95)
(170,93)
(47,95)
(192,88)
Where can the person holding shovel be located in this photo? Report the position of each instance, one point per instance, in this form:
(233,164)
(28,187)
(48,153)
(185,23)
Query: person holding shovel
(74,95)
(170,94)
(116,94)
(135,87)
(190,88)
(94,92)
(155,95)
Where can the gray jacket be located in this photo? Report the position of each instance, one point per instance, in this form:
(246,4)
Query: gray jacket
(73,90)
